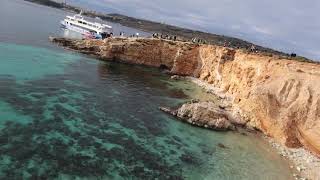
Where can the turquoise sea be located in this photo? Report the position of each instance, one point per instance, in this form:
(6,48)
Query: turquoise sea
(67,116)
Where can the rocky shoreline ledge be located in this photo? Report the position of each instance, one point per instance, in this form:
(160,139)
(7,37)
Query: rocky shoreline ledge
(278,97)
(305,165)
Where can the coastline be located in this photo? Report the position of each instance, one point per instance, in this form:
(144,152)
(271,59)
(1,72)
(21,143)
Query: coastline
(305,165)
(84,95)
(243,106)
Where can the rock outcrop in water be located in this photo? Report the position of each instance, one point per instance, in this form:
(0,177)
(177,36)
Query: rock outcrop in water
(278,96)
(204,114)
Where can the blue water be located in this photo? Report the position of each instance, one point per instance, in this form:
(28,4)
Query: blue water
(67,116)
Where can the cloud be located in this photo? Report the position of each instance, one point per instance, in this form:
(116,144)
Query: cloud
(262,30)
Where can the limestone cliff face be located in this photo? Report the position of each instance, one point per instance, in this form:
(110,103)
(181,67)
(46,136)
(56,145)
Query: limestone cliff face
(280,97)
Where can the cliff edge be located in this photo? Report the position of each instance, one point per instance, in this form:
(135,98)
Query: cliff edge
(277,96)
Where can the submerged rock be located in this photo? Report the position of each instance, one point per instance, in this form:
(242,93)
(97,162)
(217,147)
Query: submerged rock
(176,77)
(168,110)
(220,145)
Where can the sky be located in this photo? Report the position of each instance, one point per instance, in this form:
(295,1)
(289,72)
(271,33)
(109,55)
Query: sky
(285,25)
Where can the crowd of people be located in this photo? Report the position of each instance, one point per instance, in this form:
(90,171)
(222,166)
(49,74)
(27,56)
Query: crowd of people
(121,34)
(195,40)
(164,36)
(198,41)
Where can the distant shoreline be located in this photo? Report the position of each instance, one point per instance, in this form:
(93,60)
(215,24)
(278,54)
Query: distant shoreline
(156,27)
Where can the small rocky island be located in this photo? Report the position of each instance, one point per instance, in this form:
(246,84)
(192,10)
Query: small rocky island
(268,93)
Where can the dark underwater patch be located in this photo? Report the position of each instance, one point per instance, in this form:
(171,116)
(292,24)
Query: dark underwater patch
(85,136)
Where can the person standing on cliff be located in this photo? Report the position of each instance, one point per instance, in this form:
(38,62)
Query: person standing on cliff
(225,44)
(253,48)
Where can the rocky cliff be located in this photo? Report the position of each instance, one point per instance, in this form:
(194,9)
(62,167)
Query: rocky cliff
(278,96)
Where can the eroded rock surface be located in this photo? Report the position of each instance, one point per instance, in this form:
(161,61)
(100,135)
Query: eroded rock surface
(204,114)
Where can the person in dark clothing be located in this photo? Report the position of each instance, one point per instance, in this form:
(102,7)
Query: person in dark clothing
(253,48)
(293,55)
(103,35)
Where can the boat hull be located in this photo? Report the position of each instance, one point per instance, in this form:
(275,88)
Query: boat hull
(74,28)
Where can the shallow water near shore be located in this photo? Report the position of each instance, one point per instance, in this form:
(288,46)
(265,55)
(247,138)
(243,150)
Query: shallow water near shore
(67,116)
(78,117)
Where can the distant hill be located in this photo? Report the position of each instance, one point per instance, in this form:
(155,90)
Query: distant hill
(156,27)
(48,3)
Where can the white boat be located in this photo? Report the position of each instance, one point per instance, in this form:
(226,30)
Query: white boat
(79,24)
